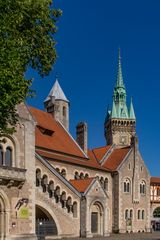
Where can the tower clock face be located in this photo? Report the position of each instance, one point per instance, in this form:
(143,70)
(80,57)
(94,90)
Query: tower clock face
(123,139)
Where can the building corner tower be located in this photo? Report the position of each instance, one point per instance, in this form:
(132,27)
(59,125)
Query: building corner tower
(57,104)
(120,122)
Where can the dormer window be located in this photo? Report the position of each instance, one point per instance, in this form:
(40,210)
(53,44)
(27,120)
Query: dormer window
(46,131)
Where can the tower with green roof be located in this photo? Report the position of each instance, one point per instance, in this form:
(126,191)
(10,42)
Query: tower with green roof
(120,121)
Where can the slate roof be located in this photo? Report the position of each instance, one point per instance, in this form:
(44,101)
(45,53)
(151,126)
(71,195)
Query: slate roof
(56,92)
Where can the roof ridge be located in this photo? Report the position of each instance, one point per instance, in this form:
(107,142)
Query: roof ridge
(89,178)
(99,147)
(73,139)
(107,154)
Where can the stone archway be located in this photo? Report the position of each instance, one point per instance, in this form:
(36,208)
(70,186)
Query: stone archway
(2,219)
(156,219)
(97,218)
(4,215)
(45,224)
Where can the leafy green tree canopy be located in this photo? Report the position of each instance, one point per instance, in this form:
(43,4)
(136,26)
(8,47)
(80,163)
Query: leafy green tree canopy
(27,29)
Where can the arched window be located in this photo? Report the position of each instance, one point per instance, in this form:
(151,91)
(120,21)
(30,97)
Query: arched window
(38,177)
(126,186)
(86,175)
(126,214)
(57,169)
(131,214)
(51,188)
(1,155)
(81,175)
(63,172)
(102,181)
(57,194)
(106,184)
(63,199)
(143,187)
(69,204)
(75,209)
(8,157)
(143,215)
(139,214)
(156,213)
(76,175)
(44,183)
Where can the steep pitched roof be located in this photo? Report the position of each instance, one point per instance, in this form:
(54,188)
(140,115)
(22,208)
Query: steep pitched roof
(59,140)
(54,143)
(81,184)
(90,163)
(116,158)
(100,152)
(57,92)
(155,180)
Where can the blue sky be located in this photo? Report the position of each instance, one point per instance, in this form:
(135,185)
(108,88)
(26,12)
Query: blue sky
(88,38)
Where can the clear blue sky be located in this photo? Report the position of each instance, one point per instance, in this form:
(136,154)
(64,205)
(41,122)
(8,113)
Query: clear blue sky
(88,38)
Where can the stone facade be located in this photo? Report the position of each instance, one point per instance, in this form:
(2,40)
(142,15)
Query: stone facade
(51,188)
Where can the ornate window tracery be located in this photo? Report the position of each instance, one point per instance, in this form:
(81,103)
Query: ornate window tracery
(127,186)
(8,157)
(6,153)
(143,187)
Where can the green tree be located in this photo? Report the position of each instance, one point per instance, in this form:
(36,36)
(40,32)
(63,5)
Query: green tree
(27,29)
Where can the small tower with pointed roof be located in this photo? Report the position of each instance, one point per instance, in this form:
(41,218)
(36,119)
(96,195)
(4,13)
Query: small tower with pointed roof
(57,104)
(120,121)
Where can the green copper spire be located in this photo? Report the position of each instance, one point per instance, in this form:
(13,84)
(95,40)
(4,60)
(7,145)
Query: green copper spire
(131,111)
(119,82)
(113,113)
(119,95)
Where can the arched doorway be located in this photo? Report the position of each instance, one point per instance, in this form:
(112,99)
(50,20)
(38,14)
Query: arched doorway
(3,219)
(156,219)
(97,219)
(45,224)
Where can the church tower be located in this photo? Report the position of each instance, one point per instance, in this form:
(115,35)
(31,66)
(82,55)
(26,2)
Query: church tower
(120,120)
(58,105)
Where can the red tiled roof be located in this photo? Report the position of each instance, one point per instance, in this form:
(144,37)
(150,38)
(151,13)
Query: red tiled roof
(59,145)
(100,152)
(81,184)
(92,163)
(59,141)
(155,180)
(116,157)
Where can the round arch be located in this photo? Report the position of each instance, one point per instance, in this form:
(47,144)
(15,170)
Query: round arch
(97,218)
(155,219)
(15,145)
(45,224)
(4,214)
(50,214)
(156,212)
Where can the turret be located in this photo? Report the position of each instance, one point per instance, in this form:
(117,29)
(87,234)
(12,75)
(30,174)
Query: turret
(120,121)
(57,104)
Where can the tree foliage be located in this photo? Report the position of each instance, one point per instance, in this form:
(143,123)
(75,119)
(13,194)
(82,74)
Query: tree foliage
(27,29)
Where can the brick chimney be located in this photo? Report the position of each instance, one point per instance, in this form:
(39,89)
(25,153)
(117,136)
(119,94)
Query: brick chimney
(82,136)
